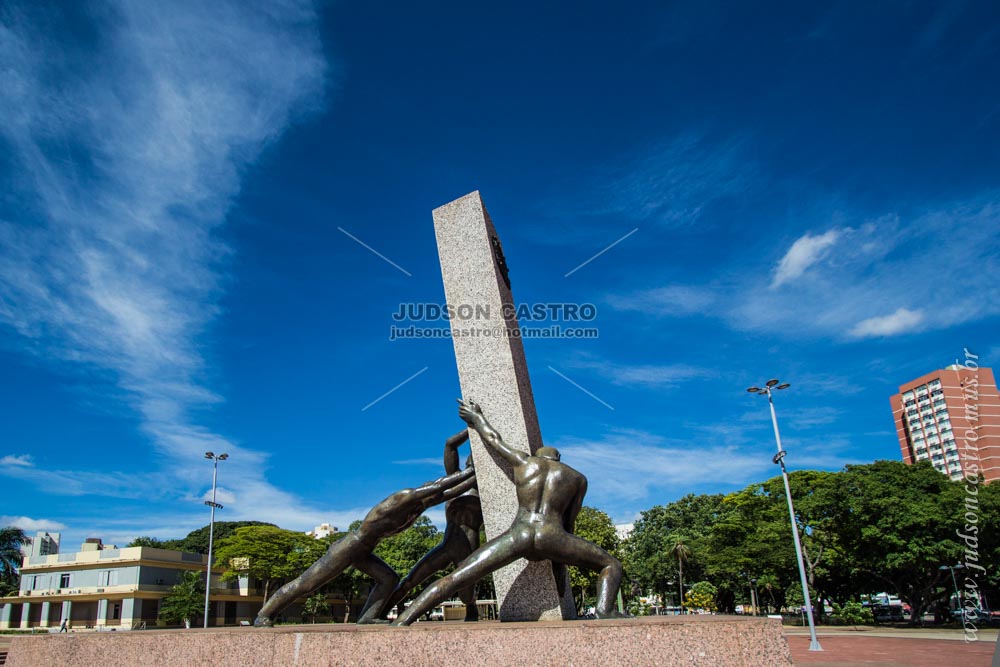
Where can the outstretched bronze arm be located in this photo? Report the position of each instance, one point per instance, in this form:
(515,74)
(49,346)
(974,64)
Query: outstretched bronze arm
(445,488)
(451,446)
(473,416)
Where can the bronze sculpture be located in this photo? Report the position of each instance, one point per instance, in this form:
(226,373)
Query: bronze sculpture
(549,495)
(393,515)
(464,517)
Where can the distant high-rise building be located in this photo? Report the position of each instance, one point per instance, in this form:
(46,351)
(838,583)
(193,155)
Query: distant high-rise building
(42,544)
(951,417)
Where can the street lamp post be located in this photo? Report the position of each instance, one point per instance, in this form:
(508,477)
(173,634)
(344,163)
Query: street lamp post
(954,581)
(211,524)
(779,458)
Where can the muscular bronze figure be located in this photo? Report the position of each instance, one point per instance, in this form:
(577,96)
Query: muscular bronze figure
(393,515)
(464,516)
(549,497)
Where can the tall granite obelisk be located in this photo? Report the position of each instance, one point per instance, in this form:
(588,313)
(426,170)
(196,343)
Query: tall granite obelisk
(493,372)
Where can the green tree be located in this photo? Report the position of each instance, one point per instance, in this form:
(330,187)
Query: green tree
(701,596)
(196,541)
(185,601)
(315,605)
(752,540)
(11,541)
(594,526)
(267,553)
(403,550)
(898,524)
(145,541)
(647,554)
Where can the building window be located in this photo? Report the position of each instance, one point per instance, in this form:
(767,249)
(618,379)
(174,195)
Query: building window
(107,578)
(64,580)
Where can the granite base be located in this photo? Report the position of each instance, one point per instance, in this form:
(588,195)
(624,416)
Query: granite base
(718,641)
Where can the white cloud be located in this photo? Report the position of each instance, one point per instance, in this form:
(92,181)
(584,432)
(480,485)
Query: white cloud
(671,183)
(670,300)
(647,375)
(84,482)
(430,461)
(625,467)
(899,322)
(806,251)
(29,525)
(127,157)
(932,270)
(23,460)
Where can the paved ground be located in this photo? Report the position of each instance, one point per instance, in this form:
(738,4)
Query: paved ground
(909,648)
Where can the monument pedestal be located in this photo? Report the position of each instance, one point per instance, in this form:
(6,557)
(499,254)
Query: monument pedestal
(716,641)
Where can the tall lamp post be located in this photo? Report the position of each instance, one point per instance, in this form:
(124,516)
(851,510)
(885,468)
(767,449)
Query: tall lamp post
(779,458)
(954,581)
(211,523)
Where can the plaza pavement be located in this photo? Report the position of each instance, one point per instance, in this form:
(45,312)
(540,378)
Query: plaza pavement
(909,647)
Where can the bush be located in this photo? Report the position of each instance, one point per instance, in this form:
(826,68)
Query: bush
(853,613)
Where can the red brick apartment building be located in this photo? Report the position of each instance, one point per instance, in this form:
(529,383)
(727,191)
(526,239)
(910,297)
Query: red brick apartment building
(951,417)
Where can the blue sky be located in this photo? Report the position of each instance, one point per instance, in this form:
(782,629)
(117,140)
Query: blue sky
(808,192)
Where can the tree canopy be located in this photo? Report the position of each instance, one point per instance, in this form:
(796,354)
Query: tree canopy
(196,541)
(884,526)
(267,553)
(185,601)
(594,526)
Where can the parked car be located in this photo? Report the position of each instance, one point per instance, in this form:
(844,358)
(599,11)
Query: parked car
(887,613)
(972,615)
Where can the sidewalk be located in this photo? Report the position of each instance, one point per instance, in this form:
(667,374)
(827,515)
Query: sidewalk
(916,647)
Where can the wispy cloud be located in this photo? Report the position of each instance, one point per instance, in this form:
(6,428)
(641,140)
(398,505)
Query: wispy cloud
(86,482)
(805,252)
(645,375)
(859,281)
(419,462)
(901,321)
(674,182)
(29,525)
(128,157)
(21,460)
(669,300)
(629,469)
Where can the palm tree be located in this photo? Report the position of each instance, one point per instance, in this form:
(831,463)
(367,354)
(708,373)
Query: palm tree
(769,583)
(11,541)
(682,552)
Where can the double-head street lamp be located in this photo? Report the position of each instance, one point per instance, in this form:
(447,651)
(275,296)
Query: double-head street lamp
(954,581)
(779,459)
(211,523)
